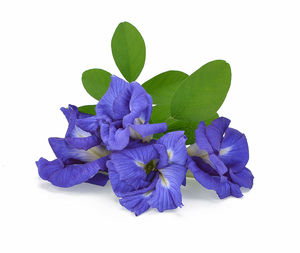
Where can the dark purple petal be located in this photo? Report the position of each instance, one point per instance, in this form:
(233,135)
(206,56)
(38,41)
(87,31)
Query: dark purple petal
(47,168)
(235,190)
(217,164)
(66,176)
(223,189)
(205,166)
(201,138)
(243,178)
(215,132)
(99,179)
(202,177)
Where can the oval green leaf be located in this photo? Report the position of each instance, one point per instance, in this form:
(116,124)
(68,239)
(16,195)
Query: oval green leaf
(96,82)
(188,127)
(162,88)
(89,109)
(129,51)
(202,93)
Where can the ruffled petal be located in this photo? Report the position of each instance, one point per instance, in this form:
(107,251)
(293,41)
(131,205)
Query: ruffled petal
(99,179)
(175,145)
(227,188)
(201,138)
(145,130)
(137,203)
(235,190)
(206,180)
(115,139)
(72,108)
(130,165)
(140,105)
(163,156)
(121,104)
(223,190)
(243,178)
(90,124)
(75,136)
(141,102)
(216,163)
(66,176)
(105,105)
(119,187)
(64,151)
(215,132)
(234,150)
(47,168)
(83,143)
(167,194)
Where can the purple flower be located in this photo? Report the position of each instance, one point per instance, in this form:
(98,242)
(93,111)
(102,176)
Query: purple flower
(123,113)
(81,157)
(150,175)
(218,158)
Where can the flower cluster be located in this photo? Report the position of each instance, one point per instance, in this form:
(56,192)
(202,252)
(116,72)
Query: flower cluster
(117,144)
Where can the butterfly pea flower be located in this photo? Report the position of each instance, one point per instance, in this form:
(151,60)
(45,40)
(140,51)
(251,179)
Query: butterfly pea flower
(150,175)
(123,114)
(218,158)
(81,156)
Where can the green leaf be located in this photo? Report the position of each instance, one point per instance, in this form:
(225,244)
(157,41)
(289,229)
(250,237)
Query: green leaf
(129,51)
(202,93)
(162,88)
(90,109)
(188,127)
(96,82)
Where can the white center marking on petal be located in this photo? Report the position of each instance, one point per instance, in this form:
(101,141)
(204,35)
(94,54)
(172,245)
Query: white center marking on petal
(79,133)
(91,154)
(147,138)
(193,150)
(170,154)
(147,194)
(135,135)
(164,181)
(140,164)
(139,121)
(98,152)
(224,151)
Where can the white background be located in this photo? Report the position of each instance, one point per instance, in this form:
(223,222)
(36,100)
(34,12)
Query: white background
(44,48)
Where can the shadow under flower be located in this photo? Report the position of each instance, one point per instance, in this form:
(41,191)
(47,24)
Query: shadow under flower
(84,188)
(193,190)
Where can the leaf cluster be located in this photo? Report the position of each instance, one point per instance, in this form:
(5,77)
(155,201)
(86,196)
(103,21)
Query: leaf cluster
(179,99)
